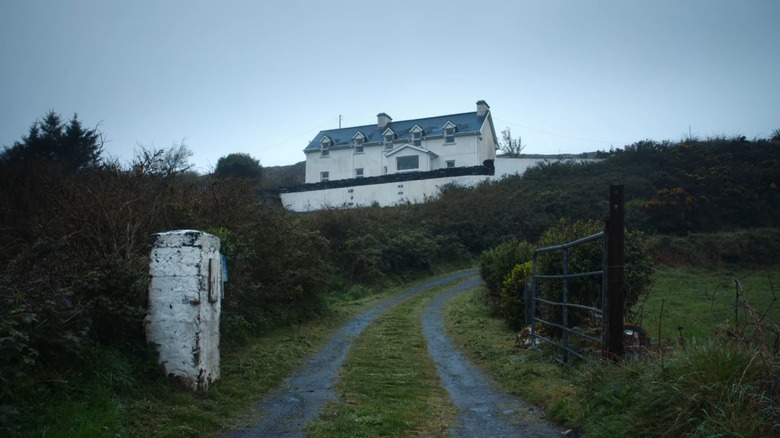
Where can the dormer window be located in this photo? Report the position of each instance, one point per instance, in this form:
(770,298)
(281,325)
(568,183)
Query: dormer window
(389,137)
(417,138)
(357,141)
(449,135)
(417,133)
(449,130)
(325,145)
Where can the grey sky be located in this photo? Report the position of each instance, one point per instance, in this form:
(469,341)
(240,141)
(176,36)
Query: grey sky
(264,77)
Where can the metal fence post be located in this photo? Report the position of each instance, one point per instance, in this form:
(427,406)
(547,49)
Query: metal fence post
(615,266)
(528,296)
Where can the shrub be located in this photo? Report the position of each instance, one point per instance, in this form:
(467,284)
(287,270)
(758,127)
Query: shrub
(496,263)
(588,257)
(512,300)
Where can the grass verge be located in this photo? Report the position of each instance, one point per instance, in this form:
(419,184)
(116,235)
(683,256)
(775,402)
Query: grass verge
(389,385)
(118,397)
(712,387)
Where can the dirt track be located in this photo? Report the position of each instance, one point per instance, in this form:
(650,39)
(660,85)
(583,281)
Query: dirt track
(483,411)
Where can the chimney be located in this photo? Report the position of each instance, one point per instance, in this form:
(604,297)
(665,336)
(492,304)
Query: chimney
(382,120)
(482,108)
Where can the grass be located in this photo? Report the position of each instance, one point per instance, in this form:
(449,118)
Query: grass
(117,397)
(389,386)
(715,386)
(530,374)
(701,300)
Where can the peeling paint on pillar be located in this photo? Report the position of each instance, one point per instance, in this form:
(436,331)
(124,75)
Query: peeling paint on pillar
(185,299)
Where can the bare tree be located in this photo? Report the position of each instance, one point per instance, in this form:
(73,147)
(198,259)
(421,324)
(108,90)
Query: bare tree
(165,162)
(511,147)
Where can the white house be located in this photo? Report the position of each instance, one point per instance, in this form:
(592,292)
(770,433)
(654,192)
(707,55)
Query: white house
(394,147)
(396,162)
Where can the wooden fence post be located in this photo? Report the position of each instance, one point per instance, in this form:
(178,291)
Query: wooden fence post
(615,299)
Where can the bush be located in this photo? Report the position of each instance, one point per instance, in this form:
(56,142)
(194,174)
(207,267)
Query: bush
(512,299)
(588,257)
(497,263)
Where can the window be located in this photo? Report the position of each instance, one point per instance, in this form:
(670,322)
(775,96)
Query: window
(450,164)
(389,141)
(324,176)
(325,153)
(324,145)
(357,141)
(449,135)
(359,172)
(407,163)
(384,170)
(417,138)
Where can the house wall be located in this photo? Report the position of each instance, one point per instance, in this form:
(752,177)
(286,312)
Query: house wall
(389,194)
(386,194)
(467,150)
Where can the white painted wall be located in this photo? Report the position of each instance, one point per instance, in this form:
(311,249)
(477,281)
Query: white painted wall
(467,150)
(185,294)
(388,194)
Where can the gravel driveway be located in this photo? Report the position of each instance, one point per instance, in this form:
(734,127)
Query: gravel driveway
(300,398)
(484,412)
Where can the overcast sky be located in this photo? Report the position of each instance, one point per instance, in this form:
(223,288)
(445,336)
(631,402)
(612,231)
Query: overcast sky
(263,77)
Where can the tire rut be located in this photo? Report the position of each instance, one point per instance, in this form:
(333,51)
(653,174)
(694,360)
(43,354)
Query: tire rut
(300,398)
(484,411)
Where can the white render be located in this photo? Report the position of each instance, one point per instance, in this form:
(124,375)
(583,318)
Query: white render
(384,195)
(185,298)
(417,191)
(471,148)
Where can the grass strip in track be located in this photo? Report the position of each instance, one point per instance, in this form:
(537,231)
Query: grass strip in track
(389,385)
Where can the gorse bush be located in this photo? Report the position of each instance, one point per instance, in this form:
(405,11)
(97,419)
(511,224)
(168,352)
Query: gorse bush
(512,301)
(589,257)
(501,267)
(497,263)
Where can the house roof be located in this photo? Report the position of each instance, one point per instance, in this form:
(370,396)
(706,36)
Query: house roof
(432,126)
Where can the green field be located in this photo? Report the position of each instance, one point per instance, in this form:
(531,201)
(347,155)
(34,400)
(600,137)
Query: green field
(702,300)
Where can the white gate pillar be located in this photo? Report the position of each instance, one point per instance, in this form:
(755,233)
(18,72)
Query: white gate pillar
(185,294)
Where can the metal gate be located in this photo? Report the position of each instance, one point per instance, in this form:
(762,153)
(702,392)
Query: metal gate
(564,304)
(611,291)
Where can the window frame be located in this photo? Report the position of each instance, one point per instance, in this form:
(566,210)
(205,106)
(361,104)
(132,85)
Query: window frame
(389,138)
(398,161)
(417,138)
(324,176)
(449,135)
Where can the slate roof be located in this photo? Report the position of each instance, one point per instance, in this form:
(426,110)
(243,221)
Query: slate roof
(432,126)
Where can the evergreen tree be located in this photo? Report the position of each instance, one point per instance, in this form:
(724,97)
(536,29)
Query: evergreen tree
(69,145)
